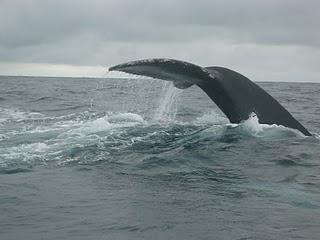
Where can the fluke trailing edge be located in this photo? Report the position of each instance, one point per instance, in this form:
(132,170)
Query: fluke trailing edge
(233,93)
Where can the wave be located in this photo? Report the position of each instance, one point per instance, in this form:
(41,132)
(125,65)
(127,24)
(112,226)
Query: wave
(44,99)
(121,138)
(16,114)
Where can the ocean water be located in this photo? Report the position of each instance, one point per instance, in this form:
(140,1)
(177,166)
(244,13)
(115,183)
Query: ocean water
(138,159)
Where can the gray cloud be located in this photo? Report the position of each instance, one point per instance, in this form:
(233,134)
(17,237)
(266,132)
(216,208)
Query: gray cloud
(208,32)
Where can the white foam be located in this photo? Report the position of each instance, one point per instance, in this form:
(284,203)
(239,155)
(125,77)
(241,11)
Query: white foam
(55,135)
(254,128)
(105,123)
(126,117)
(25,151)
(16,114)
(252,125)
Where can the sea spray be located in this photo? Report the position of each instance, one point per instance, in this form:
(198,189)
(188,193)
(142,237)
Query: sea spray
(140,93)
(168,104)
(143,96)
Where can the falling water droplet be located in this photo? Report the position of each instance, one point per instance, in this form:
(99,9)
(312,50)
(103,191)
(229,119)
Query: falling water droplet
(167,110)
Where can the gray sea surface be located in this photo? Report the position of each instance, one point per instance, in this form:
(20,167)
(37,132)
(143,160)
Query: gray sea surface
(112,158)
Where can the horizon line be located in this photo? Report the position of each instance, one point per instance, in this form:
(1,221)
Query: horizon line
(92,77)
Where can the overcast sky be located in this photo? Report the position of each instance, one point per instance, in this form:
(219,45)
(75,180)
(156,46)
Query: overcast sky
(267,40)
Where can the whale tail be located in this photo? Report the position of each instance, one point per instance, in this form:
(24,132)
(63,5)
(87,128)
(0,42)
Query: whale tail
(233,93)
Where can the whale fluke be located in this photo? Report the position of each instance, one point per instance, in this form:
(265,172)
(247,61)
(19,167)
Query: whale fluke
(233,93)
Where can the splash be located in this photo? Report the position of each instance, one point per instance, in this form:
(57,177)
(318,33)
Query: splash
(44,139)
(168,107)
(256,129)
(252,125)
(142,94)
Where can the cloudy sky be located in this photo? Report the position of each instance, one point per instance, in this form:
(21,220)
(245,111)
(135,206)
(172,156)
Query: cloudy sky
(267,40)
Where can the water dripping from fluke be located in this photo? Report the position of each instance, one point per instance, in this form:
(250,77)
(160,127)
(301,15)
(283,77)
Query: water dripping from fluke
(168,104)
